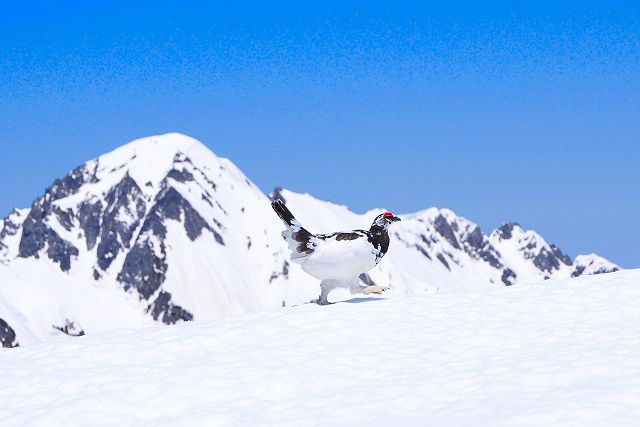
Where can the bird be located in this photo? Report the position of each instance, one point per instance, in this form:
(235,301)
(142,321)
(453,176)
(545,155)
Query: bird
(337,259)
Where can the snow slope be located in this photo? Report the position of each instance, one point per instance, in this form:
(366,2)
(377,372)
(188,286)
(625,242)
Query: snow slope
(560,352)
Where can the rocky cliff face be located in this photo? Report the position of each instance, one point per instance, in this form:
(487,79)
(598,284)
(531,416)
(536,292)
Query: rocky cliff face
(7,335)
(162,230)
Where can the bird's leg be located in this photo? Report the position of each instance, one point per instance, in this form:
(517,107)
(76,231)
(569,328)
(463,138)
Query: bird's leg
(323,299)
(325,287)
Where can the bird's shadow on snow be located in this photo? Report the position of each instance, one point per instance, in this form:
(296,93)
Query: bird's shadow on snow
(361,300)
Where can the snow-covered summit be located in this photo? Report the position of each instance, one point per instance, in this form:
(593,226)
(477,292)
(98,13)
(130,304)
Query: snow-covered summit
(163,230)
(592,264)
(146,160)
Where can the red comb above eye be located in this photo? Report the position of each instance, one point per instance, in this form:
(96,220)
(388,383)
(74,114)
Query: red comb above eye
(388,214)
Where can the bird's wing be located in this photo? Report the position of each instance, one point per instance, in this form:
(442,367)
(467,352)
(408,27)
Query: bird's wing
(300,241)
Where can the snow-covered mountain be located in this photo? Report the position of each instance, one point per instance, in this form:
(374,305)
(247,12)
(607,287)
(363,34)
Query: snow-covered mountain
(163,230)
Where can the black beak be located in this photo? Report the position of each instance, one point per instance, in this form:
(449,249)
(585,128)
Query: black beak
(395,218)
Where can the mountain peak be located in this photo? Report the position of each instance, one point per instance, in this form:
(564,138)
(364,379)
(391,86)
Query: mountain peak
(505,231)
(154,148)
(168,142)
(592,264)
(148,160)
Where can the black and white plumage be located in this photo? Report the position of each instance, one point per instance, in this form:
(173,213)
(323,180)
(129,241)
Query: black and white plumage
(337,259)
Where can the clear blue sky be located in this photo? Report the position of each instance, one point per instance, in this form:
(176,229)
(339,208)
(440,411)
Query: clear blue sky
(496,111)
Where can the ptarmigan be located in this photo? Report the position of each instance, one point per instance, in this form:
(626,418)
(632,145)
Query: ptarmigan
(337,259)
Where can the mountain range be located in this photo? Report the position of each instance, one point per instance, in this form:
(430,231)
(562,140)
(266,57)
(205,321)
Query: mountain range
(161,230)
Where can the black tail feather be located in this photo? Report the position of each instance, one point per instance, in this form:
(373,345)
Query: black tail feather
(283,212)
(299,239)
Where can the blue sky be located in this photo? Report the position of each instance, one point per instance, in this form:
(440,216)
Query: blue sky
(499,112)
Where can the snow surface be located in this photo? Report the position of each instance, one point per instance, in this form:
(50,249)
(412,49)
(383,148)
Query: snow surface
(560,352)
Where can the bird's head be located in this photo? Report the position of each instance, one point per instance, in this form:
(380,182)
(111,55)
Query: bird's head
(384,220)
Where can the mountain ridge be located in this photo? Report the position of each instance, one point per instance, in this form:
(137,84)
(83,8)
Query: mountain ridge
(163,230)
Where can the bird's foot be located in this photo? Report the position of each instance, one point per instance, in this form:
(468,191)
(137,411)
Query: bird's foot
(322,300)
(374,289)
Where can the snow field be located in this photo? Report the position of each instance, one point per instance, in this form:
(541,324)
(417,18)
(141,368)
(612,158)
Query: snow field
(561,352)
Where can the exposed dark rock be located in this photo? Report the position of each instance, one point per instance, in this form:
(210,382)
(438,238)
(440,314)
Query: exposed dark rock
(65,218)
(490,255)
(36,234)
(89,217)
(505,231)
(145,265)
(475,239)
(125,207)
(180,175)
(218,237)
(108,249)
(453,258)
(477,245)
(71,182)
(221,208)
(422,250)
(443,261)
(219,224)
(171,204)
(508,277)
(194,223)
(425,240)
(283,273)
(143,269)
(444,229)
(206,199)
(579,270)
(565,259)
(60,251)
(180,157)
(70,328)
(170,312)
(548,261)
(208,181)
(7,335)
(9,228)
